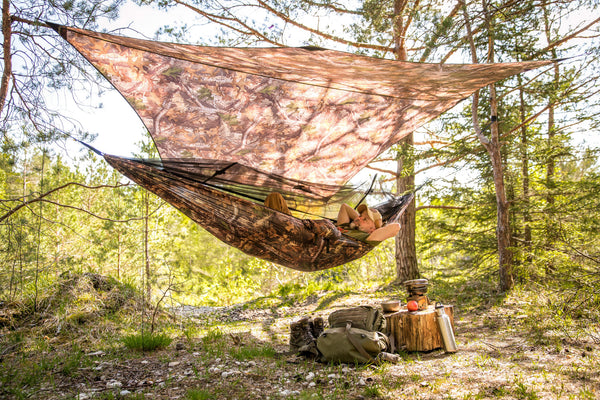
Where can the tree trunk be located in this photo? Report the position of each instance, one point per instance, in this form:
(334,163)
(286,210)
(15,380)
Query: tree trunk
(492,145)
(406,252)
(7,51)
(505,255)
(39,236)
(119,254)
(525,175)
(148,287)
(407,267)
(550,162)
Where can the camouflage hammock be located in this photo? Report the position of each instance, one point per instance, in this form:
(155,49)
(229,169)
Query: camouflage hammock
(301,244)
(300,121)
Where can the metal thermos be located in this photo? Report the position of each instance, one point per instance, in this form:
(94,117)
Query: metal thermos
(445,327)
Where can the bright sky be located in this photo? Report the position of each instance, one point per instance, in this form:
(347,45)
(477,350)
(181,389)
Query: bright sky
(118,127)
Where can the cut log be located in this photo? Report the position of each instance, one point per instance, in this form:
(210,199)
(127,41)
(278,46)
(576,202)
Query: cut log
(417,330)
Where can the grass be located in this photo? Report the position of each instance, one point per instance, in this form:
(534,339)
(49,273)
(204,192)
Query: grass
(372,392)
(37,361)
(32,370)
(199,394)
(146,341)
(72,362)
(251,352)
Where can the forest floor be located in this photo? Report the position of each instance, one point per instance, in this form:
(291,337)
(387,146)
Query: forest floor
(241,352)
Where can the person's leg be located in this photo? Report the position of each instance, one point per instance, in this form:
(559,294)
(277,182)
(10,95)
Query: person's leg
(346,214)
(386,231)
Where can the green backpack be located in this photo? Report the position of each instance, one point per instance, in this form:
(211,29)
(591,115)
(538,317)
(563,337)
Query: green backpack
(362,317)
(351,345)
(354,335)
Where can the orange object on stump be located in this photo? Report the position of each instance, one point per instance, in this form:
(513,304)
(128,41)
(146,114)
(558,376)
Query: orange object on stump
(416,331)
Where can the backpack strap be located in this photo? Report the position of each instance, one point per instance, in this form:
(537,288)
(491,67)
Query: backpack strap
(356,343)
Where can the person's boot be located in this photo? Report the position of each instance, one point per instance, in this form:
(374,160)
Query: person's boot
(310,347)
(303,335)
(307,324)
(317,327)
(297,336)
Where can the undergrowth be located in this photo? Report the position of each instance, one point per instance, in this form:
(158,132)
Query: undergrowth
(85,321)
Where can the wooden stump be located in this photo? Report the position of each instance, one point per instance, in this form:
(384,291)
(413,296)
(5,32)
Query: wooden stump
(416,330)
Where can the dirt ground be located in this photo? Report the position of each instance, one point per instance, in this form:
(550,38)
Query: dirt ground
(240,353)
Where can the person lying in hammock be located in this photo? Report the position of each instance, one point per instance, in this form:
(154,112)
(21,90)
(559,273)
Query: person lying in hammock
(364,223)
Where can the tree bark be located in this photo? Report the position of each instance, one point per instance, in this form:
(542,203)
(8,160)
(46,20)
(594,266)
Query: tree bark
(525,175)
(505,255)
(407,267)
(148,285)
(551,162)
(7,51)
(492,145)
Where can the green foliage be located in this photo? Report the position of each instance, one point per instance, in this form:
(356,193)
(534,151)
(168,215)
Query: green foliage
(215,343)
(30,371)
(372,392)
(146,341)
(213,335)
(199,394)
(250,352)
(45,66)
(522,391)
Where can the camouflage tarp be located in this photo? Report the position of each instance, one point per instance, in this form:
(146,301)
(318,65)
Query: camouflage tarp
(312,115)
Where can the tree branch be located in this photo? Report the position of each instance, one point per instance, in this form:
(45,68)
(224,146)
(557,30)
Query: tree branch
(440,29)
(218,19)
(42,197)
(565,39)
(28,21)
(475,104)
(384,171)
(81,209)
(324,35)
(333,7)
(540,112)
(441,163)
